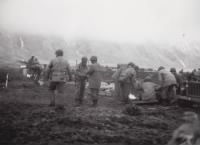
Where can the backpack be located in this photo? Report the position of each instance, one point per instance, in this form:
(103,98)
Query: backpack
(58,77)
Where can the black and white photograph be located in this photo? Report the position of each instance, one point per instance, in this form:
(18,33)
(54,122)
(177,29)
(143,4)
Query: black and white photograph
(99,72)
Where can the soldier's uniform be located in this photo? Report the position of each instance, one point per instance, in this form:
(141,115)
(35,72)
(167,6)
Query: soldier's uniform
(59,73)
(94,79)
(168,86)
(115,77)
(81,77)
(31,60)
(126,79)
(34,68)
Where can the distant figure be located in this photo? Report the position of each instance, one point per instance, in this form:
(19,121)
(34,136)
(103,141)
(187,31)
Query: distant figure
(189,132)
(81,77)
(178,80)
(127,79)
(59,73)
(34,68)
(31,60)
(94,78)
(148,88)
(115,77)
(168,86)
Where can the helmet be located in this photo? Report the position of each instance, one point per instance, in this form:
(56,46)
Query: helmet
(172,70)
(84,58)
(131,64)
(148,79)
(160,68)
(93,58)
(59,52)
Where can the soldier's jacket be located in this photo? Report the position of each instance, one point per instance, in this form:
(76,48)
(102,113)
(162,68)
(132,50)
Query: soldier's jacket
(81,72)
(94,73)
(166,78)
(33,62)
(30,61)
(59,69)
(127,75)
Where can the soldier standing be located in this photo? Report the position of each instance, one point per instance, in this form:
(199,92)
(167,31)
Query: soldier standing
(127,79)
(81,77)
(59,71)
(94,74)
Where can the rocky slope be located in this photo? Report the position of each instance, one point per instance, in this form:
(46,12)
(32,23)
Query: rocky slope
(14,47)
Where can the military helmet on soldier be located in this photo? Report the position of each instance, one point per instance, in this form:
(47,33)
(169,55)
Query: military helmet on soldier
(84,61)
(173,70)
(148,79)
(59,52)
(84,58)
(131,64)
(161,68)
(93,58)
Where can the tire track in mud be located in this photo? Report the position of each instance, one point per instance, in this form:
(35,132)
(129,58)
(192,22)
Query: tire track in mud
(37,124)
(34,123)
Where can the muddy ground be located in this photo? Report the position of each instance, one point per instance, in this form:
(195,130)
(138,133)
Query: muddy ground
(26,119)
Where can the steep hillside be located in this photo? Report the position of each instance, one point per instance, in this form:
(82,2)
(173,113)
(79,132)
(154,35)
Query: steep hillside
(14,47)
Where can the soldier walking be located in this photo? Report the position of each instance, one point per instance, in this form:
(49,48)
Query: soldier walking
(58,72)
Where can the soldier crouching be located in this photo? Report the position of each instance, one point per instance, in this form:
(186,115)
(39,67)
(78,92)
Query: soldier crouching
(168,86)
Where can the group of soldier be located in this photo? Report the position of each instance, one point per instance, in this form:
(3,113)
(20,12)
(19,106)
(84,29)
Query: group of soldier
(58,72)
(165,91)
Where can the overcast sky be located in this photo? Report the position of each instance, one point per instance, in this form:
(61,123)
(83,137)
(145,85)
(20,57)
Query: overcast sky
(115,20)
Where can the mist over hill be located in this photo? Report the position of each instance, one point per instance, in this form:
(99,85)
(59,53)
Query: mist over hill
(14,47)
